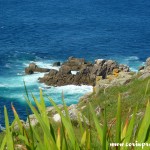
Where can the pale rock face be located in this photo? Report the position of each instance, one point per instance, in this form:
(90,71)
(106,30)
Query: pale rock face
(123,78)
(145,71)
(33,120)
(100,61)
(148,61)
(57,118)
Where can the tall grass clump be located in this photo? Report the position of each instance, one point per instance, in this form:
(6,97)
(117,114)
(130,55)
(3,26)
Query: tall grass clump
(49,135)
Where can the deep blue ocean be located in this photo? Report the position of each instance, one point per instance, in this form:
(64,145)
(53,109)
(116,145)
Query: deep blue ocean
(45,31)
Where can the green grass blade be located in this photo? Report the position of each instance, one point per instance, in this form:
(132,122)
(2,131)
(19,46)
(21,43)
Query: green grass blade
(83,139)
(88,141)
(67,124)
(3,143)
(17,119)
(118,122)
(147,87)
(145,125)
(105,132)
(40,145)
(44,127)
(10,144)
(98,128)
(80,123)
(129,132)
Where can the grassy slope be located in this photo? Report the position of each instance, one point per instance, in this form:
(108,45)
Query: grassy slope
(134,94)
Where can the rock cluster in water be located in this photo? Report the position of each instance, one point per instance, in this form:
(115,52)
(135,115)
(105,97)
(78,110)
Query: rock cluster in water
(34,68)
(86,72)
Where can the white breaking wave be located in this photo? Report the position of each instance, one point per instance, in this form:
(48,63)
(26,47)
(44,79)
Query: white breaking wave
(132,61)
(68,89)
(33,78)
(1,127)
(131,58)
(3,85)
(43,64)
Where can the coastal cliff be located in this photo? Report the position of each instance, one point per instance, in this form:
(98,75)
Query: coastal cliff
(107,76)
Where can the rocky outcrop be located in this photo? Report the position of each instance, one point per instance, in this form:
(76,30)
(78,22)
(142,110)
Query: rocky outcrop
(75,64)
(74,115)
(64,77)
(87,72)
(34,68)
(122,78)
(145,70)
(103,68)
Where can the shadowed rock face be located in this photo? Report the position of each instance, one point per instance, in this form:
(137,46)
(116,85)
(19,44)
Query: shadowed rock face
(60,78)
(34,68)
(86,72)
(56,64)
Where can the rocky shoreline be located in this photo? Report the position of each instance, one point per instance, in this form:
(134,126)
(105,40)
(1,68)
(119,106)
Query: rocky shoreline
(101,74)
(85,73)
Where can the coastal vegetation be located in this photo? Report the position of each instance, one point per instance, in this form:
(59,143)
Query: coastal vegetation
(123,119)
